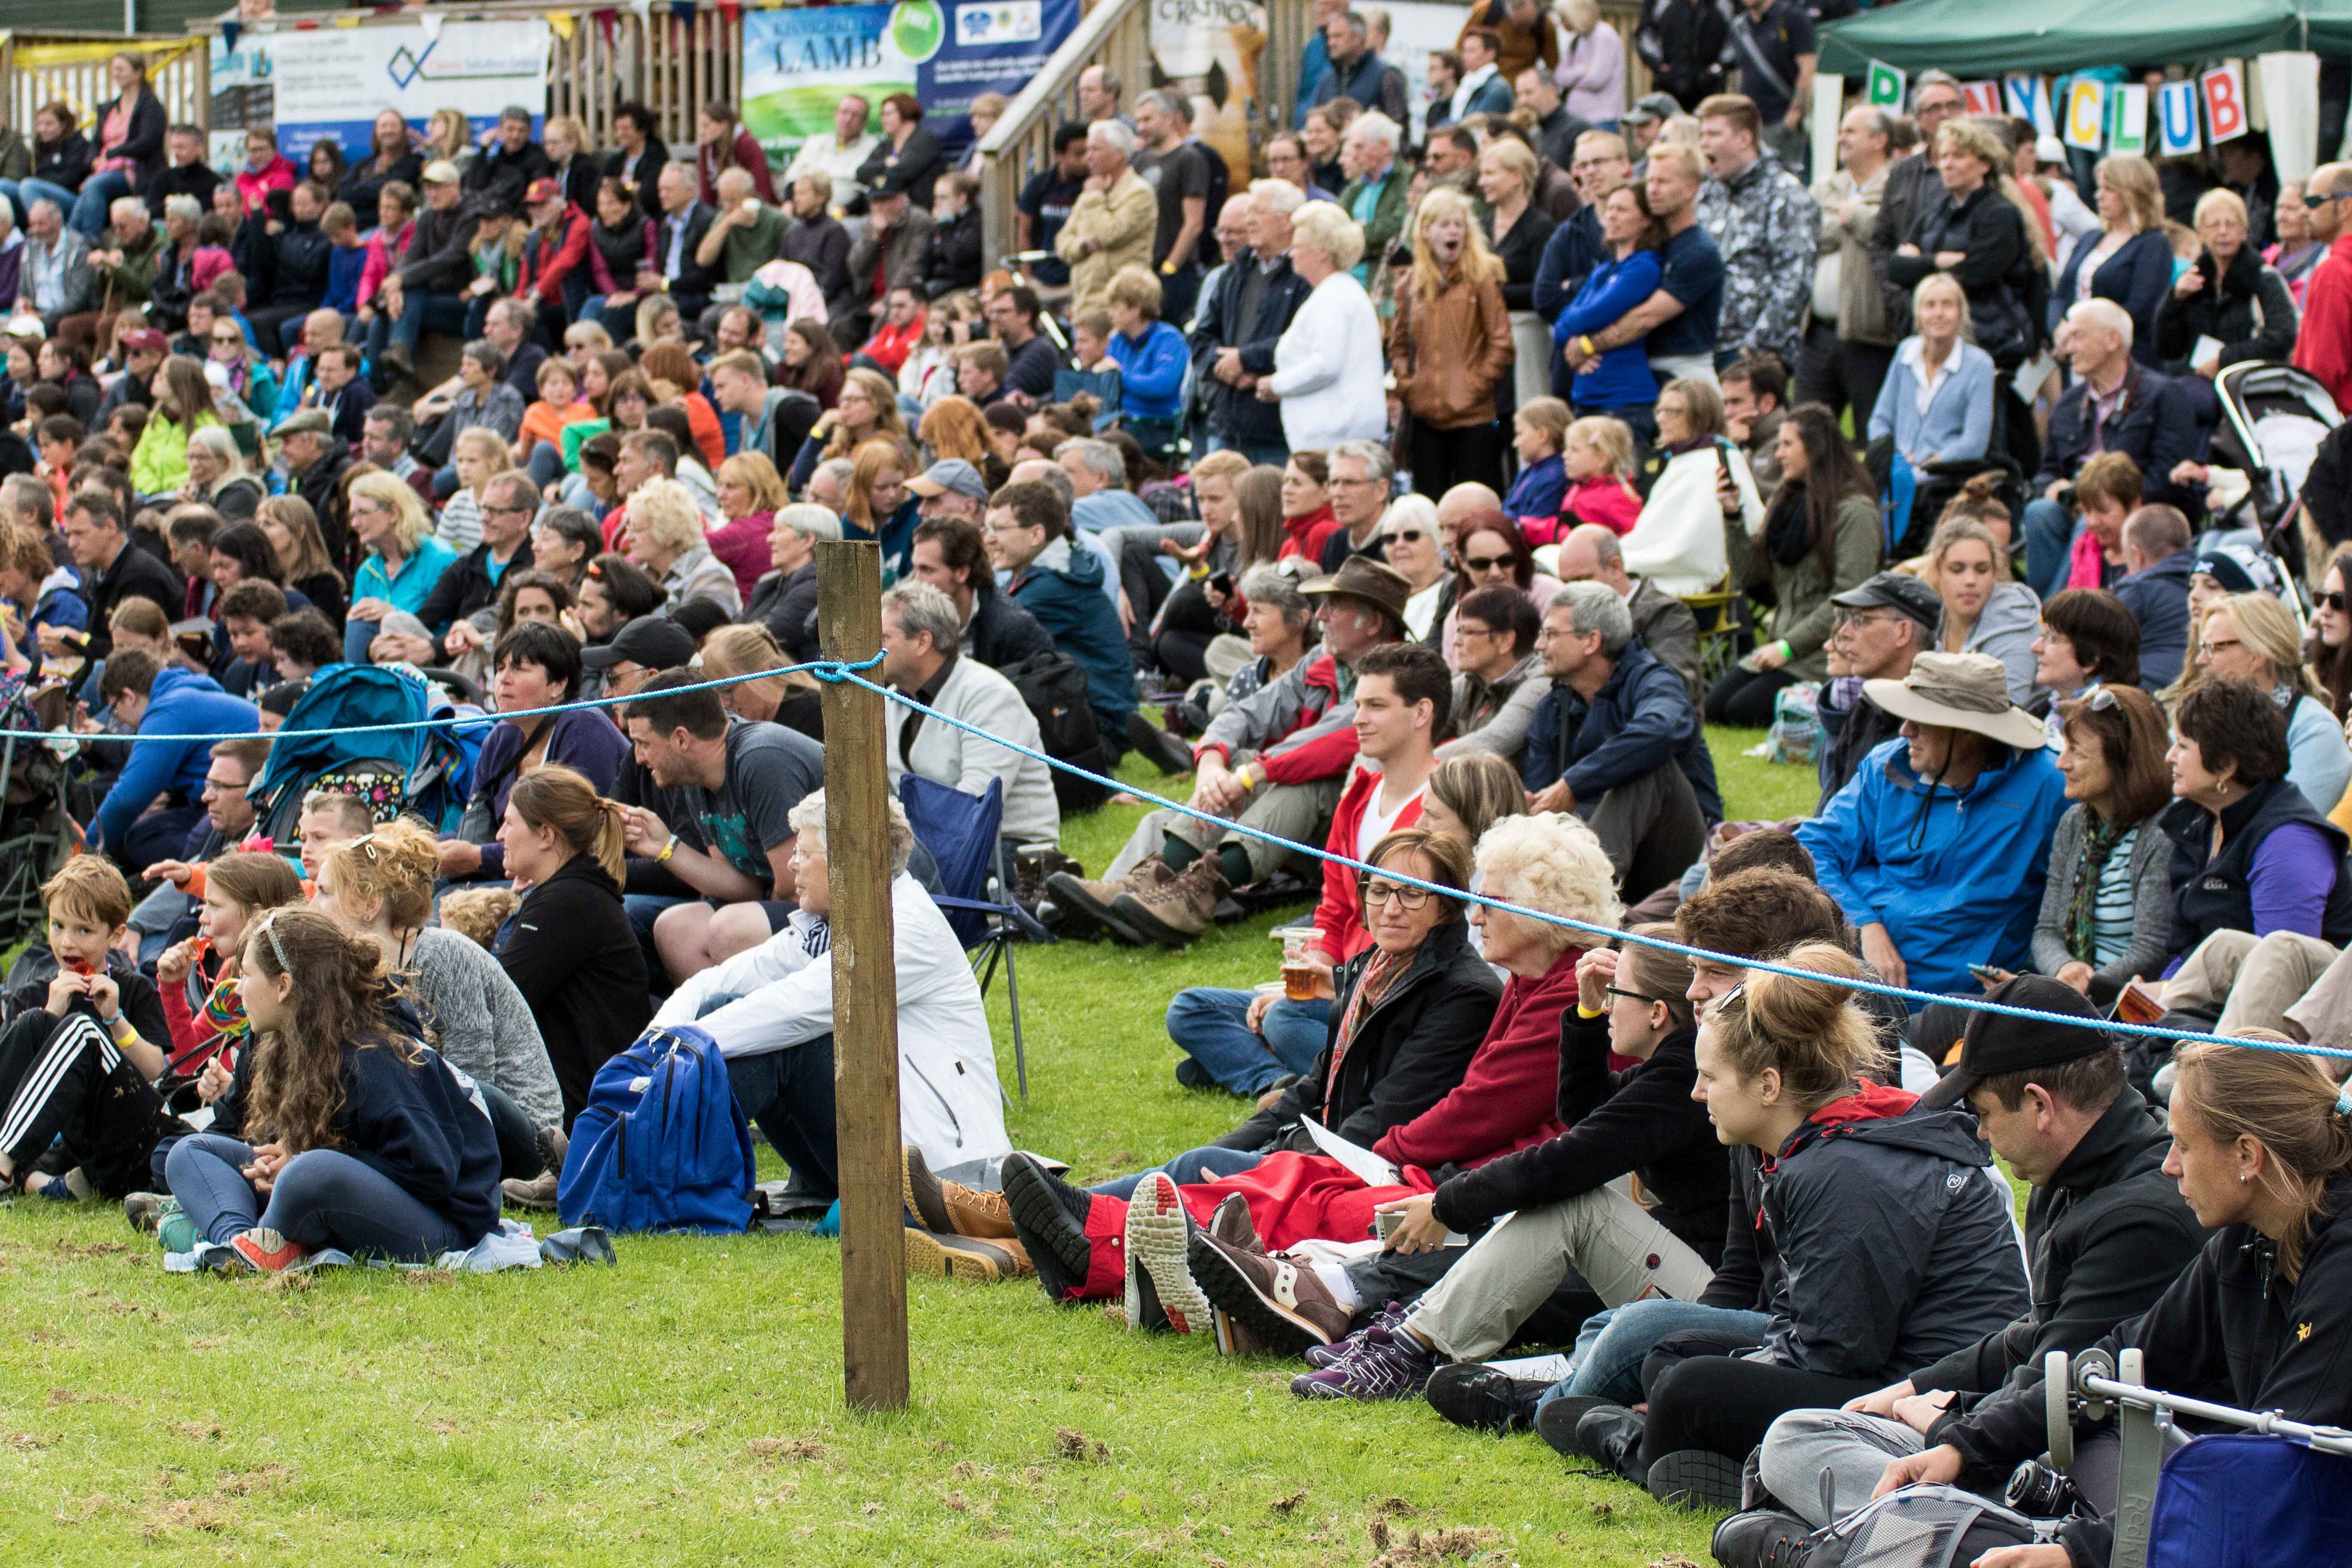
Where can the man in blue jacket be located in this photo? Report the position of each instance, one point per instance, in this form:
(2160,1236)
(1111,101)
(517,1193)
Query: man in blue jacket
(162,703)
(1939,846)
(2158,564)
(1027,532)
(1618,741)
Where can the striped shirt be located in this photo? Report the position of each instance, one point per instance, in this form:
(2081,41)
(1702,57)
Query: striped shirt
(2112,903)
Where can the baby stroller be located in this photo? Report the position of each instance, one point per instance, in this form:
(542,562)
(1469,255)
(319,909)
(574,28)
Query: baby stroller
(2282,430)
(427,773)
(37,815)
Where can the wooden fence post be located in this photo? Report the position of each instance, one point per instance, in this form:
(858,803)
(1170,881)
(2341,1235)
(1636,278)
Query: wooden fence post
(865,986)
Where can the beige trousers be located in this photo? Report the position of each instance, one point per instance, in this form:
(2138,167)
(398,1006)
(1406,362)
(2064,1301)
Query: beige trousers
(1610,1240)
(2255,979)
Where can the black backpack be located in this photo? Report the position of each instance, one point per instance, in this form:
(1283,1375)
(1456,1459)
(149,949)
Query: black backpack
(1055,688)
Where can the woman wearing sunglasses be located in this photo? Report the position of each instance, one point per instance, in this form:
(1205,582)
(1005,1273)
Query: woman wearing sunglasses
(1409,532)
(2331,641)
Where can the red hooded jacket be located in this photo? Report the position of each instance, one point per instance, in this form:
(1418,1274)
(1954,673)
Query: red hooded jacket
(1508,1099)
(1338,915)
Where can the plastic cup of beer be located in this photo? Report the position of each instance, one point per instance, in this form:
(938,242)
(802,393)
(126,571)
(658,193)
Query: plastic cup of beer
(1299,976)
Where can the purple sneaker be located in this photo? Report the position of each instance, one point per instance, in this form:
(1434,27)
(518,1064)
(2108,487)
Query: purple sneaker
(1380,1363)
(1320,1356)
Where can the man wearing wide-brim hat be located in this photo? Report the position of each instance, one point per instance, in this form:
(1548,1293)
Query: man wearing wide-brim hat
(1939,846)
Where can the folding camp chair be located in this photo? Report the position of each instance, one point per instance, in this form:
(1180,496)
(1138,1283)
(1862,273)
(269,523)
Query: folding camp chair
(959,831)
(1719,631)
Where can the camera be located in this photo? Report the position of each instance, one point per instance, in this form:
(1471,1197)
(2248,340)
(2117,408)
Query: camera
(2041,1492)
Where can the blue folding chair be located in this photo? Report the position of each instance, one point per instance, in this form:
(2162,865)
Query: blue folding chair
(959,831)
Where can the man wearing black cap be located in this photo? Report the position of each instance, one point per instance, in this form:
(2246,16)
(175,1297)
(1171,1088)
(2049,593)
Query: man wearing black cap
(1883,623)
(2106,1230)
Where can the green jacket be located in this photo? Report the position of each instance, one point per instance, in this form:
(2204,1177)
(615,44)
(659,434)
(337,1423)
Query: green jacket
(126,286)
(1802,615)
(1388,212)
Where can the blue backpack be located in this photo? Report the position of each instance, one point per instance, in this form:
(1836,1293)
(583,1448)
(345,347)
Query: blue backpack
(661,1143)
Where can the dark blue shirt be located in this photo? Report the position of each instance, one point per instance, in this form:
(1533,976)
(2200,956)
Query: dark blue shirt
(1693,275)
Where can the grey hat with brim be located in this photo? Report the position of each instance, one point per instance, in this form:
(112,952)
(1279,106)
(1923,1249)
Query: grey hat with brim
(1960,691)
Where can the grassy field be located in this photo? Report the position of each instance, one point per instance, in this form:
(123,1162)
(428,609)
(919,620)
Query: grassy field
(686,1407)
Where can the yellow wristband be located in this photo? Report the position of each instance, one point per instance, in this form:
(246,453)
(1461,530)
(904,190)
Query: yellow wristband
(667,850)
(1588,1014)
(1242,776)
(1168,268)
(1585,344)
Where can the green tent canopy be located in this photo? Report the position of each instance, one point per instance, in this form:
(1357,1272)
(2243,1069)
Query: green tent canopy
(1975,39)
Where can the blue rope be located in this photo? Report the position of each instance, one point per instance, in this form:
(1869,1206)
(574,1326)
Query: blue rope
(822,669)
(1728,961)
(836,671)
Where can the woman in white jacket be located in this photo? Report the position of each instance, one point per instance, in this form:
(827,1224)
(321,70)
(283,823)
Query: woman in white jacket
(770,1011)
(1328,373)
(1677,542)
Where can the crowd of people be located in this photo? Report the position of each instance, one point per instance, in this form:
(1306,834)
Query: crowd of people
(1423,500)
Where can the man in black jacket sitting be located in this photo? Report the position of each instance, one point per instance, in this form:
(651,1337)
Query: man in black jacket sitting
(422,293)
(2114,404)
(949,556)
(2106,1229)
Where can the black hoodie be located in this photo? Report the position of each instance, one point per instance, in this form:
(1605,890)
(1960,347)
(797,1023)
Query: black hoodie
(1643,1120)
(27,987)
(570,952)
(2230,1330)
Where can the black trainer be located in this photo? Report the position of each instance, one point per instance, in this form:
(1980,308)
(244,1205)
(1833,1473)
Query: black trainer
(1049,1216)
(1762,1538)
(1485,1398)
(1694,1478)
(1165,752)
(1611,1435)
(1556,1422)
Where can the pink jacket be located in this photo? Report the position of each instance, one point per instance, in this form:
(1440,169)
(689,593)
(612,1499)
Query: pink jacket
(254,185)
(381,250)
(2086,562)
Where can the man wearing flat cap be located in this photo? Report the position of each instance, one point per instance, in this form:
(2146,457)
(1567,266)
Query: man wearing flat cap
(1882,623)
(1939,846)
(2105,1233)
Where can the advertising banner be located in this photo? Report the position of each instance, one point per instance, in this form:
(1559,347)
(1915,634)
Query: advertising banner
(333,81)
(1219,43)
(798,64)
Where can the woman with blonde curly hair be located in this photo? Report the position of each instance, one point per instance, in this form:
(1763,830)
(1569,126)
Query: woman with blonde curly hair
(1502,1098)
(1449,347)
(379,887)
(664,535)
(355,1134)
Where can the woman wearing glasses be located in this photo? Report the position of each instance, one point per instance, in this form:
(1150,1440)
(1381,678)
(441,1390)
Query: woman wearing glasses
(1408,534)
(2254,637)
(1493,556)
(2106,910)
(2331,635)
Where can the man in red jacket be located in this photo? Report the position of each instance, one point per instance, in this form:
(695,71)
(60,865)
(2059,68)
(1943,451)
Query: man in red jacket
(2322,345)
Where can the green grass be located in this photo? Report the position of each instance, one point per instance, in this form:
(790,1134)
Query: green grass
(686,1407)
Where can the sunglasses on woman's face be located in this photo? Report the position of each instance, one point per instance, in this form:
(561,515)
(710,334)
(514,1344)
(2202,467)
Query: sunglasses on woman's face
(2334,601)
(1409,535)
(1487,562)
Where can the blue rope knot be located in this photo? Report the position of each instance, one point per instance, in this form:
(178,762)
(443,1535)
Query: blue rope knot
(836,671)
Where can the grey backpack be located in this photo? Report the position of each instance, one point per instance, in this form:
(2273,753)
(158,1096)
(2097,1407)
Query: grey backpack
(1924,1527)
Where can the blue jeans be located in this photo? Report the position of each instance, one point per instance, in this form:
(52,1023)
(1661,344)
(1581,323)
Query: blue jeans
(1611,1346)
(322,1198)
(28,190)
(420,313)
(2048,545)
(357,634)
(1209,1023)
(1205,1165)
(546,464)
(98,193)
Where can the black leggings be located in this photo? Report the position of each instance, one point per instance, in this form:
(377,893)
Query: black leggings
(1745,697)
(1440,459)
(1701,1396)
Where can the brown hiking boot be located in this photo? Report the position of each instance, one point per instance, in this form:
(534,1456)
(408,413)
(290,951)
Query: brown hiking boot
(950,1207)
(1281,1301)
(1088,903)
(983,1262)
(1175,911)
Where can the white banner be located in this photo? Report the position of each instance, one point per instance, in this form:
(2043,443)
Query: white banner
(334,81)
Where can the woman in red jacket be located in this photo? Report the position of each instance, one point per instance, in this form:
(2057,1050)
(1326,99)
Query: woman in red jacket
(1088,1247)
(554,275)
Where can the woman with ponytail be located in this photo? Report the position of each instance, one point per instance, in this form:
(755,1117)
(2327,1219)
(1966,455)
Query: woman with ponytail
(2261,1146)
(380,886)
(1867,1240)
(568,949)
(356,1135)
